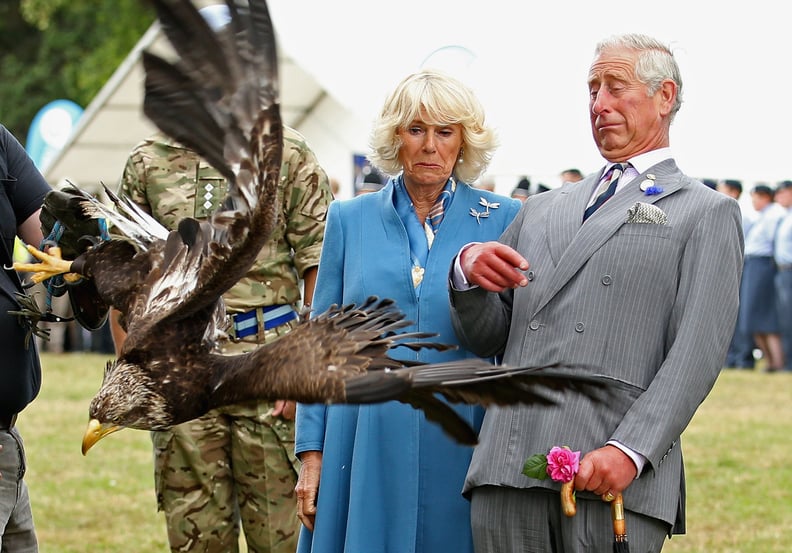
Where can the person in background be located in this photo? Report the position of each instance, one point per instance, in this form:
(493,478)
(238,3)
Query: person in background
(734,189)
(631,275)
(382,477)
(523,189)
(335,187)
(235,464)
(22,191)
(571,175)
(526,189)
(372,182)
(740,354)
(760,316)
(783,279)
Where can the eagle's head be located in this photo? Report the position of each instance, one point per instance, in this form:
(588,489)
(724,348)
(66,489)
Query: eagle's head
(127,399)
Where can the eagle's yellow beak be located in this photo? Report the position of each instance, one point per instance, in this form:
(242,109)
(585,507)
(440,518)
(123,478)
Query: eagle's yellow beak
(95,432)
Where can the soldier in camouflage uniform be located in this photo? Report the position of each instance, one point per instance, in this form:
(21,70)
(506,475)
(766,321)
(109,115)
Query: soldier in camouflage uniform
(236,463)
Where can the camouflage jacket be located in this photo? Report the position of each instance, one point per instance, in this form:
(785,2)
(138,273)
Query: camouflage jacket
(171,182)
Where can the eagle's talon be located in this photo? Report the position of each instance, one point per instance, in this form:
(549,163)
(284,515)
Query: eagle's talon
(51,264)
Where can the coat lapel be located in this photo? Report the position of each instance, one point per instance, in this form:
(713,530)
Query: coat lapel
(572,243)
(566,214)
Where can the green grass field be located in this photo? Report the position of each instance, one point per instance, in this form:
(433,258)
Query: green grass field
(737,448)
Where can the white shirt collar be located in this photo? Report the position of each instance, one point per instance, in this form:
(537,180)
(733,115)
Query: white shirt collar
(642,162)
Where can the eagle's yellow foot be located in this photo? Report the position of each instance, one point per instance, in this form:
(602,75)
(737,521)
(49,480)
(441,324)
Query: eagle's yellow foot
(52,264)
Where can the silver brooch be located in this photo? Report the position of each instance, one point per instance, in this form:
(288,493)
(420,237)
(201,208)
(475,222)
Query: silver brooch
(648,183)
(483,214)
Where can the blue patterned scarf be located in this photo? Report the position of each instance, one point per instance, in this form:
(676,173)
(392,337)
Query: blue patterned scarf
(421,236)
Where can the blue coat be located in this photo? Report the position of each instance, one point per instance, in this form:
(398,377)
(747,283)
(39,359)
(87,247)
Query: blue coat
(391,481)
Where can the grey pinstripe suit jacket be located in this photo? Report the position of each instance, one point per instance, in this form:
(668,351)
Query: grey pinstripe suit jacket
(651,306)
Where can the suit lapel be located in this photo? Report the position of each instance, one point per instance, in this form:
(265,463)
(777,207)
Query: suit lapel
(572,243)
(566,214)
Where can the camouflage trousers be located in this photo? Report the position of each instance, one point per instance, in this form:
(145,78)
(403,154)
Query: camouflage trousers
(233,465)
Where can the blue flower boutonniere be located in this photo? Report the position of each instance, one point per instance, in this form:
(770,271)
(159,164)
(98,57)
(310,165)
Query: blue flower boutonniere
(653,190)
(649,187)
(483,214)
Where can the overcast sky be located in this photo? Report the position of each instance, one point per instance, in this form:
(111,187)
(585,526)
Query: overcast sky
(528,62)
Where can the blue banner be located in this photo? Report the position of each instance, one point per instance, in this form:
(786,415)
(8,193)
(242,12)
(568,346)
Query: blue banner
(50,130)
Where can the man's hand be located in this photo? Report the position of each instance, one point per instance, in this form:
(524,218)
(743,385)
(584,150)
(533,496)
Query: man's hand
(604,471)
(308,486)
(493,266)
(285,409)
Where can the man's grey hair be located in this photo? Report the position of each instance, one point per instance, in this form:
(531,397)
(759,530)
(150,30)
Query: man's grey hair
(655,63)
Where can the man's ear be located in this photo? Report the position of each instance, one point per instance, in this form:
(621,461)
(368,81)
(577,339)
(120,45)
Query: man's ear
(667,96)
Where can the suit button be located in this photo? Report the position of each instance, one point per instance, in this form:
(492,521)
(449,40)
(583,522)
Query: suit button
(534,325)
(607,280)
(579,327)
(530,275)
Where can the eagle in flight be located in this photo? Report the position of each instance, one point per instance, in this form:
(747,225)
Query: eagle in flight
(220,98)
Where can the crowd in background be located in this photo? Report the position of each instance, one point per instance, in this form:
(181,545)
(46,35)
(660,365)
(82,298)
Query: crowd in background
(763,334)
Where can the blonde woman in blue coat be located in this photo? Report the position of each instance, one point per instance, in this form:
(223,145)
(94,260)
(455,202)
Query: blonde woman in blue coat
(381,478)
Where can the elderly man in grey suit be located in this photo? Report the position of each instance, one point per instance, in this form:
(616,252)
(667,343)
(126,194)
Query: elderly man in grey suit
(631,274)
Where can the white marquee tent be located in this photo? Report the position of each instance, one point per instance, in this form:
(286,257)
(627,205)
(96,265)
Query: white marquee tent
(113,123)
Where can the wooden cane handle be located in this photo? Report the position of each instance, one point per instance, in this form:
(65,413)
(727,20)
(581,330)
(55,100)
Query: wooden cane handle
(568,505)
(617,515)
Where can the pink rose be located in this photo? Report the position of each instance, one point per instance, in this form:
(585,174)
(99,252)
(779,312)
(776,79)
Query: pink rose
(562,464)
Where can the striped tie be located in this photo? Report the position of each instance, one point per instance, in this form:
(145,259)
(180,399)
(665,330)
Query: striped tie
(606,189)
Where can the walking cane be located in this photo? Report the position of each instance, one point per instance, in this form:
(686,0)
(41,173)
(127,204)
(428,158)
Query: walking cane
(620,544)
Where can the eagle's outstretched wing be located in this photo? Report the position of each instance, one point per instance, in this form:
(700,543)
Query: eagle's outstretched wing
(478,382)
(220,98)
(344,356)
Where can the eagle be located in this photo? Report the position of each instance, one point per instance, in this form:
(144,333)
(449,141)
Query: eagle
(220,98)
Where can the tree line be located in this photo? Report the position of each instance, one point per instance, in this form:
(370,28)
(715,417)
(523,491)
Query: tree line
(52,49)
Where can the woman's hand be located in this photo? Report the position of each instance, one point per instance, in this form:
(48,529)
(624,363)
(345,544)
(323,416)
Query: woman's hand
(307,487)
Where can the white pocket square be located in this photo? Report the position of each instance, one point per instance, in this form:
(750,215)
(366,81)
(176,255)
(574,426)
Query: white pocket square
(643,213)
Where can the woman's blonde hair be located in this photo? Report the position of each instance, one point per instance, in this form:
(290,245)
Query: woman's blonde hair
(435,99)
